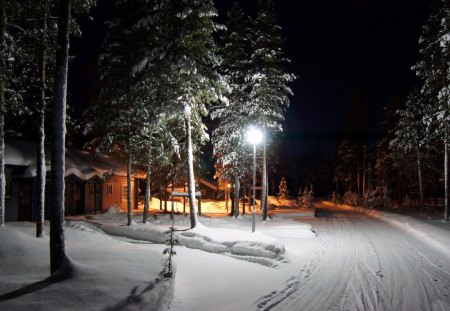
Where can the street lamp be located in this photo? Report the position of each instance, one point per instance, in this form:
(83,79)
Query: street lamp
(254,137)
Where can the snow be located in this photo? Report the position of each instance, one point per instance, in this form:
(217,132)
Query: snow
(341,259)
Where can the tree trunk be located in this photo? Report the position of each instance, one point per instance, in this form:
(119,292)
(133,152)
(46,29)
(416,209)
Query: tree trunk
(264,180)
(2,114)
(244,192)
(41,169)
(191,182)
(147,192)
(446,216)
(57,247)
(254,190)
(171,199)
(184,199)
(236,195)
(130,220)
(165,193)
(160,196)
(419,171)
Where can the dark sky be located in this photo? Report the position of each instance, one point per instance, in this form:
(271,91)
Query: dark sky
(343,48)
(338,49)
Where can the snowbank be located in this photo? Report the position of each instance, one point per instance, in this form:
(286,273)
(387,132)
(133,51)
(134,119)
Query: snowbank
(106,274)
(273,203)
(254,247)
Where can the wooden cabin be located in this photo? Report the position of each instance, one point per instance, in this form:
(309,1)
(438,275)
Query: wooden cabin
(93,183)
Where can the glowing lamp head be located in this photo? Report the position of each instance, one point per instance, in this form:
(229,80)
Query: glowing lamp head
(254,136)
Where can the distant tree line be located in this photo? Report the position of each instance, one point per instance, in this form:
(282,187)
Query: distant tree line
(412,159)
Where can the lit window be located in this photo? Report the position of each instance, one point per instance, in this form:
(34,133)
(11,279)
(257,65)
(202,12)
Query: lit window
(124,192)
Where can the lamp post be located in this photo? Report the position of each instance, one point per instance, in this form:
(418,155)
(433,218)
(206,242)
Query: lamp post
(254,137)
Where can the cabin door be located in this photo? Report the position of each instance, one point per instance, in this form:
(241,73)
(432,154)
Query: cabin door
(25,200)
(95,197)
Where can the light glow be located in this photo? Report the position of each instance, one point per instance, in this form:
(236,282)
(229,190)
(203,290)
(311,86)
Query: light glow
(254,136)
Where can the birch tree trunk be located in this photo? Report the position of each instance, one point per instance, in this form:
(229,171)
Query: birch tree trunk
(236,195)
(191,182)
(2,113)
(419,171)
(264,179)
(57,247)
(41,169)
(147,191)
(130,220)
(446,216)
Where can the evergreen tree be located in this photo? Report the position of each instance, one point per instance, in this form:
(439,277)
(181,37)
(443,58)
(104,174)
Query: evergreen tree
(434,69)
(270,92)
(283,190)
(348,155)
(193,75)
(10,97)
(166,52)
(299,194)
(38,46)
(3,79)
(228,137)
(411,134)
(117,126)
(31,76)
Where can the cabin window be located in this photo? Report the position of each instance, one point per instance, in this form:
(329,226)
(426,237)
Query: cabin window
(110,190)
(124,192)
(8,191)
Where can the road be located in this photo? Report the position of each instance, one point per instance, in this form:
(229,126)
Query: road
(364,264)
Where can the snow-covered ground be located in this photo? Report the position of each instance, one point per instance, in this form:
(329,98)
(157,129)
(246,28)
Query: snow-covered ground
(339,260)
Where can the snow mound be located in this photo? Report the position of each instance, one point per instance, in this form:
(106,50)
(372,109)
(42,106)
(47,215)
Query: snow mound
(274,203)
(113,211)
(141,232)
(101,273)
(254,247)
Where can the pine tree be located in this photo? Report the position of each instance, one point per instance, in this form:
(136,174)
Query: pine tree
(168,270)
(193,63)
(3,79)
(434,69)
(38,46)
(270,92)
(228,137)
(412,135)
(30,74)
(117,126)
(10,97)
(282,190)
(299,194)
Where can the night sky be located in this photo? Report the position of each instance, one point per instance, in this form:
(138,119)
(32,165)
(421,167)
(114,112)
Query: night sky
(339,50)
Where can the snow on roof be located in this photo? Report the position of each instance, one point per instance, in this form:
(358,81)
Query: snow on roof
(19,152)
(90,165)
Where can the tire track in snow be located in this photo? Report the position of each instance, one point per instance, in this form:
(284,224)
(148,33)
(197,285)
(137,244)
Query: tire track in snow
(365,264)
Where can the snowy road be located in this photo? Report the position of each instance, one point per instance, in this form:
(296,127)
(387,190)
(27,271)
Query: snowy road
(365,264)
